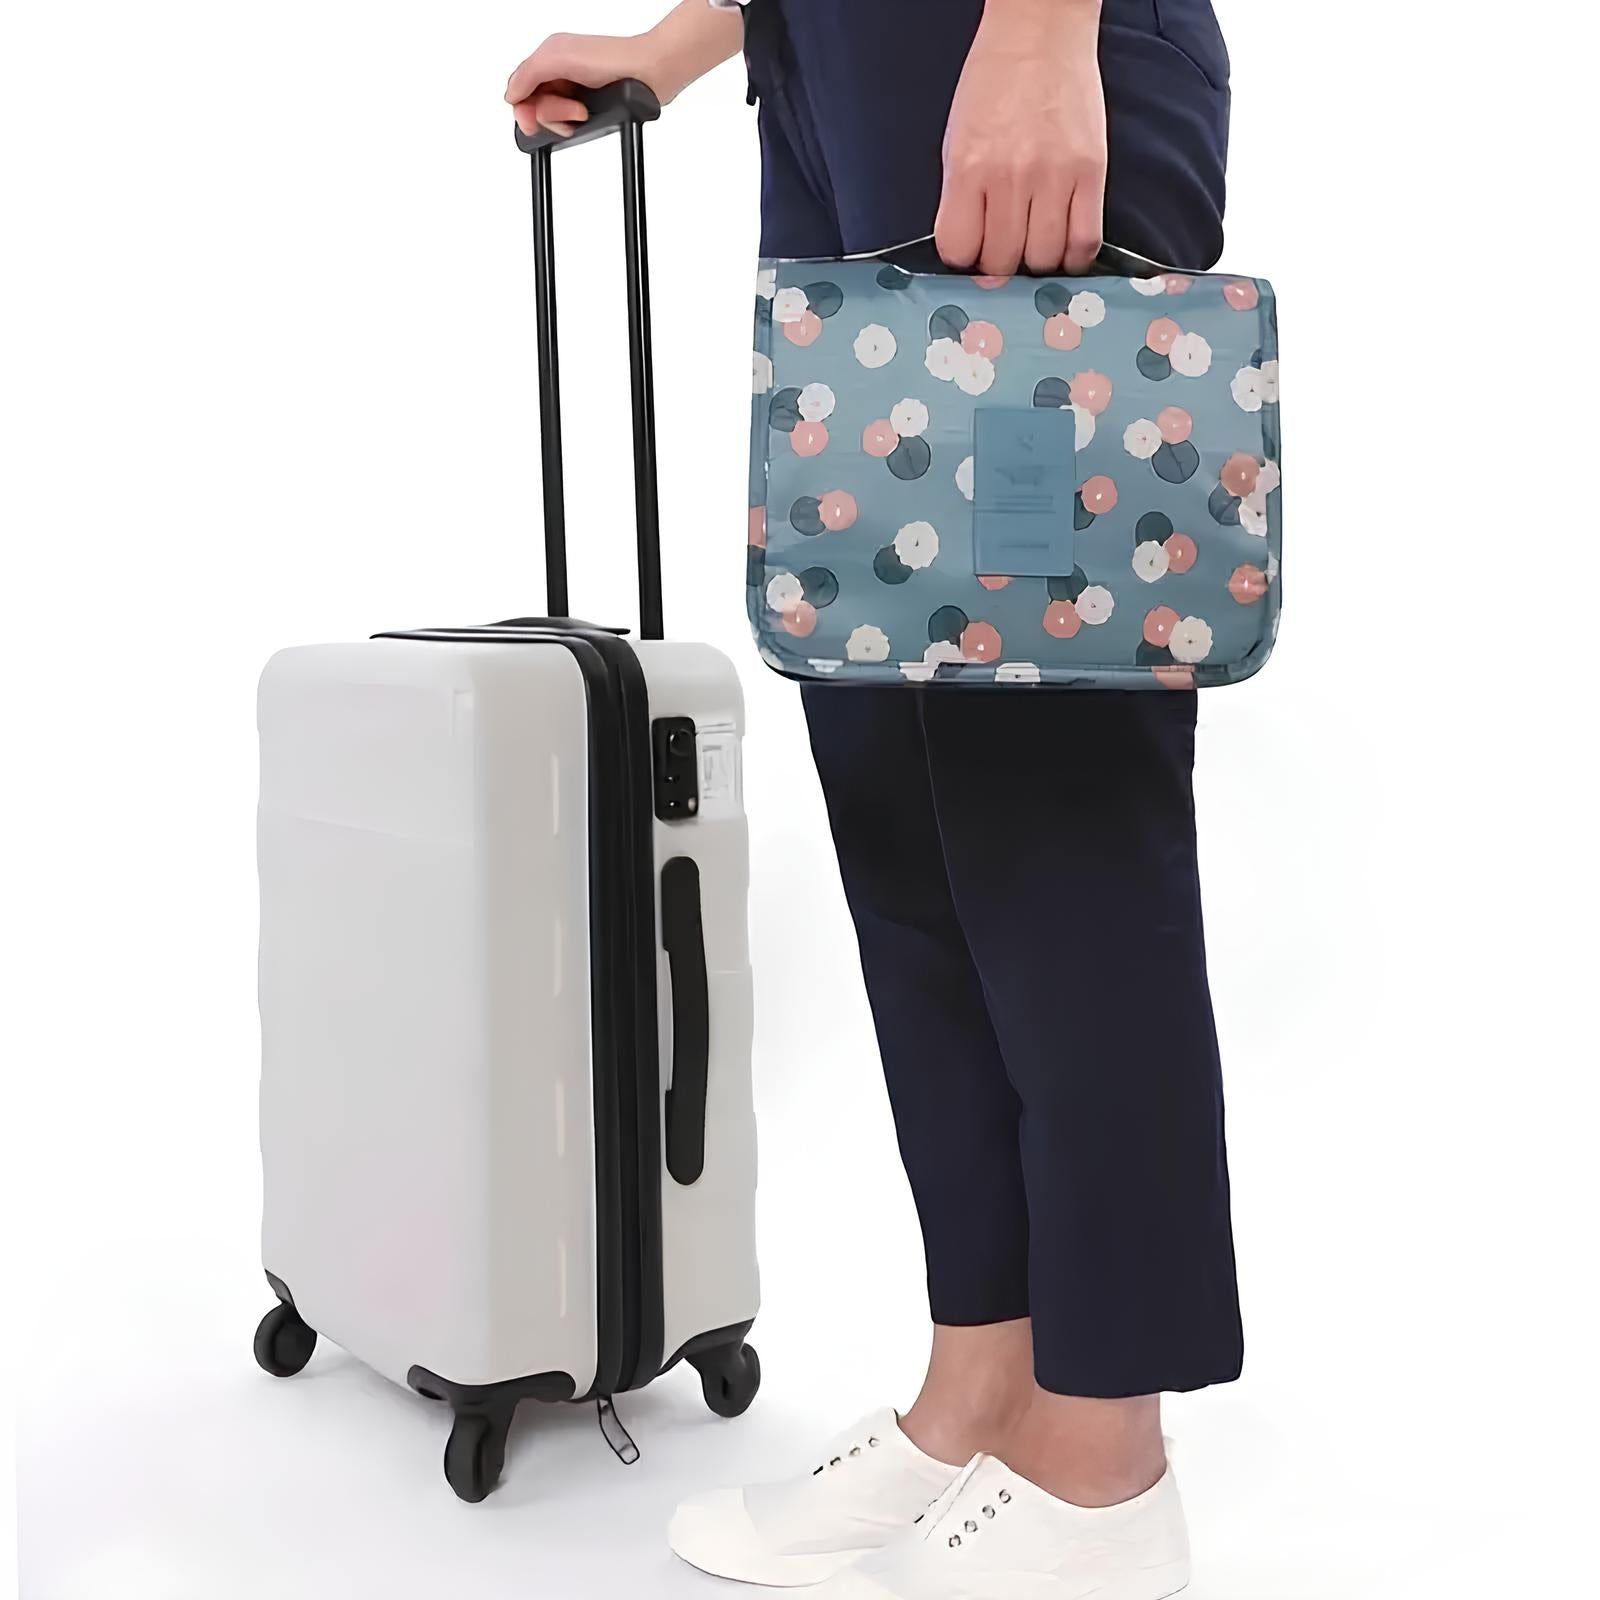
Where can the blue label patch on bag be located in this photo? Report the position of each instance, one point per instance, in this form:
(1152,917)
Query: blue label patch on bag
(1024,479)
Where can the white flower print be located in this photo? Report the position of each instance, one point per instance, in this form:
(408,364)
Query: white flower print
(789,305)
(1084,418)
(823,667)
(1272,566)
(909,418)
(1095,604)
(1016,672)
(867,643)
(1268,479)
(760,372)
(1155,285)
(1248,390)
(974,374)
(784,592)
(942,359)
(1253,515)
(1190,355)
(875,346)
(767,282)
(964,477)
(1141,439)
(918,671)
(1087,309)
(1269,381)
(1150,560)
(816,402)
(916,544)
(1190,641)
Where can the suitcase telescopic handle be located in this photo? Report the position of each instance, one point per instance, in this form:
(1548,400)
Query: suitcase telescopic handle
(624,107)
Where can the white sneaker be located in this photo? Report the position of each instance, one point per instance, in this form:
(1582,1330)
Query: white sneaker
(996,1536)
(868,1489)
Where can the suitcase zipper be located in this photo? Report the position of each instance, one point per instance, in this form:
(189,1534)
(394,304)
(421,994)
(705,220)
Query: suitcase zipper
(627,1081)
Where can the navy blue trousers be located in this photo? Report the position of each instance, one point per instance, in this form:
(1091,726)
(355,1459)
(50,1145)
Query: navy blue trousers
(1021,867)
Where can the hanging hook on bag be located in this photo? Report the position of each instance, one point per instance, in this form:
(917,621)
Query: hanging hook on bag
(922,255)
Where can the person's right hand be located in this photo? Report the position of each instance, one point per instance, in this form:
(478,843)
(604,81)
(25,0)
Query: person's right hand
(542,91)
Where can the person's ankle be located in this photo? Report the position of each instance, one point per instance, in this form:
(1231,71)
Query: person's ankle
(954,1429)
(1091,1453)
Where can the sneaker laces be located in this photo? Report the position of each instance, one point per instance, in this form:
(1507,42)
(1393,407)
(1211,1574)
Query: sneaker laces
(940,1509)
(957,1529)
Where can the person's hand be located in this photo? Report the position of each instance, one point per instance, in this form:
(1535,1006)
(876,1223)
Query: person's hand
(543,90)
(688,41)
(1025,147)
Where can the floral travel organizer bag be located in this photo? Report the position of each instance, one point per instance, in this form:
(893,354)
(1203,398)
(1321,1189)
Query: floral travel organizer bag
(1061,481)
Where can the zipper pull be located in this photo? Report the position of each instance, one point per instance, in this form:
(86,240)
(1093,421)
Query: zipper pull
(613,1432)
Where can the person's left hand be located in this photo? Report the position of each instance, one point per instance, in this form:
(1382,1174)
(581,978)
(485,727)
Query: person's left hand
(1025,147)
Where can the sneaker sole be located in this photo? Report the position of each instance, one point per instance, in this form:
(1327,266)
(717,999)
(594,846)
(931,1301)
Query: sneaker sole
(719,1558)
(1156,1583)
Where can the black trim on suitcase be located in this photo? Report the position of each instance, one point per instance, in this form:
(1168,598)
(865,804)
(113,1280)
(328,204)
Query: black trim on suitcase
(683,937)
(627,1048)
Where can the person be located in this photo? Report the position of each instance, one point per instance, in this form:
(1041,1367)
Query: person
(1020,867)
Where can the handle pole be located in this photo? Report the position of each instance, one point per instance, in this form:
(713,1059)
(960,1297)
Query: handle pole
(645,490)
(544,296)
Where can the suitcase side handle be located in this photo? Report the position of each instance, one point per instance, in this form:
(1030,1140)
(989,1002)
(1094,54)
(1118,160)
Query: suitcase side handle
(683,935)
(626,107)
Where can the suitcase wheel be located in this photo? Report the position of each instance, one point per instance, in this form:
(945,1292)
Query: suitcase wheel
(283,1342)
(475,1453)
(730,1375)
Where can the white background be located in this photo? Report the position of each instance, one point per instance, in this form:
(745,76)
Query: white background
(268,379)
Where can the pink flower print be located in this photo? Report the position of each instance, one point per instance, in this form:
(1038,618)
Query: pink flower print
(1162,334)
(983,339)
(1241,295)
(1158,625)
(1061,619)
(989,280)
(1092,391)
(803,331)
(1175,424)
(1176,283)
(800,619)
(1248,584)
(1062,333)
(1181,552)
(1099,494)
(838,510)
(1174,677)
(878,439)
(1239,474)
(992,582)
(809,439)
(758,527)
(980,641)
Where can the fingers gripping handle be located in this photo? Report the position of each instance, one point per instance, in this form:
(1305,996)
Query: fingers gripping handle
(625,106)
(626,101)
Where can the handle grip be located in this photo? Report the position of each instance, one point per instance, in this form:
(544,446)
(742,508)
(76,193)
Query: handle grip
(683,935)
(922,255)
(627,100)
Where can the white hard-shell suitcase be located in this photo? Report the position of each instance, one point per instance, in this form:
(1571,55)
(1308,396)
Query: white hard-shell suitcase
(506,1119)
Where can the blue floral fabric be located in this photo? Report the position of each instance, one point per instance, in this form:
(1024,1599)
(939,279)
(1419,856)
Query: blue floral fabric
(869,470)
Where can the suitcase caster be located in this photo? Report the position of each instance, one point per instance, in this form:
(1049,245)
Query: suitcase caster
(474,1454)
(730,1375)
(283,1342)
